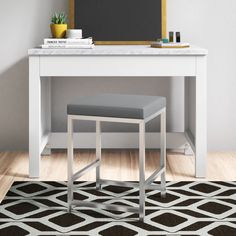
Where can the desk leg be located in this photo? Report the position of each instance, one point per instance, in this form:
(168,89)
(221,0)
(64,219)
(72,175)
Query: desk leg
(196,116)
(46,115)
(34,117)
(201,117)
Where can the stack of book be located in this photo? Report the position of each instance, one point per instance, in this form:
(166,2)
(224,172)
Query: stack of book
(84,43)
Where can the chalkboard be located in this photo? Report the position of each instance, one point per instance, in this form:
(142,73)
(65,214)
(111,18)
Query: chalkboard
(119,21)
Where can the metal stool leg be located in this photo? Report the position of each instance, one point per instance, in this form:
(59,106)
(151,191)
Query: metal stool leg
(70,151)
(163,153)
(141,171)
(98,153)
(143,184)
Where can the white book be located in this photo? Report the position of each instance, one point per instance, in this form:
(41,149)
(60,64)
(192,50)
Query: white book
(52,41)
(68,46)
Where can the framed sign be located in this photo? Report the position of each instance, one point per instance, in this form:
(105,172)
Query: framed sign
(119,22)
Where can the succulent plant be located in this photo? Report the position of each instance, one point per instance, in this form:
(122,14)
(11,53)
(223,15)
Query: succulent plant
(59,18)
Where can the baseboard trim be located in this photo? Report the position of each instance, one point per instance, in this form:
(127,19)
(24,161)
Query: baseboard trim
(117,140)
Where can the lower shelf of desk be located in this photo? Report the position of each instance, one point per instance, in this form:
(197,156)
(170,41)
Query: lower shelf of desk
(117,140)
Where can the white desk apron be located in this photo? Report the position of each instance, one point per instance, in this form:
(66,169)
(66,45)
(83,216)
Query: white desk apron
(117,61)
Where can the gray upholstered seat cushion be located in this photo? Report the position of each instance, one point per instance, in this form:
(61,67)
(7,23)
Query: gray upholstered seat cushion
(117,105)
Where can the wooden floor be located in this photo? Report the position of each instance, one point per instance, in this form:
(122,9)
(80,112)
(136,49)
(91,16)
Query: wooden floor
(116,164)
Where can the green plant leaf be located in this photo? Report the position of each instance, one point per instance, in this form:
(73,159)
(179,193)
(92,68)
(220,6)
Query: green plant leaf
(59,18)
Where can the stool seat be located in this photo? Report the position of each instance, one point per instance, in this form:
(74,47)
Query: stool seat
(117,105)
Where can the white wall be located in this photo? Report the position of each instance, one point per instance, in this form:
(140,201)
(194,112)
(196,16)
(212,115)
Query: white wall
(201,22)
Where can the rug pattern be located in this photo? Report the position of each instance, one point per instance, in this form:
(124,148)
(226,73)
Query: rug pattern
(190,208)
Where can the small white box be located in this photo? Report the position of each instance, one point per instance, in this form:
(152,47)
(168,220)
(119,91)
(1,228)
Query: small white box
(74,33)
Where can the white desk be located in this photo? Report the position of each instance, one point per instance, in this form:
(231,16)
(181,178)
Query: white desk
(127,61)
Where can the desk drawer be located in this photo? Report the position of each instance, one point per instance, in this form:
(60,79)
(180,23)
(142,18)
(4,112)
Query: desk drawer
(117,66)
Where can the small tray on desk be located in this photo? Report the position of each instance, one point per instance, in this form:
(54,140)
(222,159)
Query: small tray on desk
(169,45)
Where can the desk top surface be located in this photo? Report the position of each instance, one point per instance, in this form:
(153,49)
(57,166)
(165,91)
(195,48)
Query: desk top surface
(119,50)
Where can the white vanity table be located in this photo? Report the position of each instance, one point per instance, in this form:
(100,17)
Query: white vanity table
(117,61)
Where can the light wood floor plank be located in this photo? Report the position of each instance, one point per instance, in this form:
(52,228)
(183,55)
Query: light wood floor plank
(116,164)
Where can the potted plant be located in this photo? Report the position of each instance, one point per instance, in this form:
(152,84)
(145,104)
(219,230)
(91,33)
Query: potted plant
(58,25)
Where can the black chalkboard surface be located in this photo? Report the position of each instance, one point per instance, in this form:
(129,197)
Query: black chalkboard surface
(119,20)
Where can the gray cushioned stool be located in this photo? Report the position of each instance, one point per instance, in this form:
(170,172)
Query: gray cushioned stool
(134,109)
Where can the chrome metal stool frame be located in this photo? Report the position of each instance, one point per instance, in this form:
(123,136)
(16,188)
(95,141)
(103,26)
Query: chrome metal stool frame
(143,183)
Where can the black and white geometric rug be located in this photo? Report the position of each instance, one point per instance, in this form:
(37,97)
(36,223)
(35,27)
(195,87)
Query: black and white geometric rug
(190,208)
